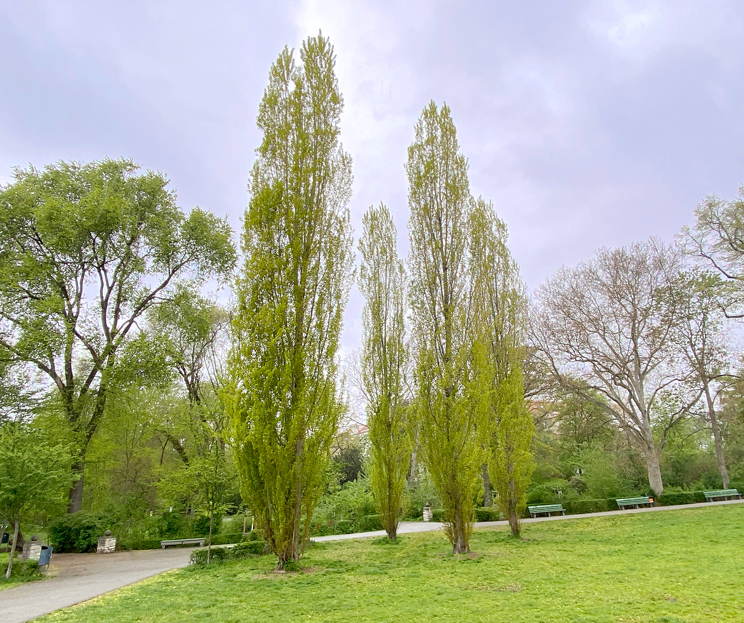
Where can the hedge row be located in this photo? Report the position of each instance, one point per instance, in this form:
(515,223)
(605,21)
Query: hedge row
(218,555)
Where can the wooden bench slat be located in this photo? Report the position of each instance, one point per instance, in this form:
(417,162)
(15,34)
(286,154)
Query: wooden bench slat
(546,509)
(636,502)
(191,541)
(722,493)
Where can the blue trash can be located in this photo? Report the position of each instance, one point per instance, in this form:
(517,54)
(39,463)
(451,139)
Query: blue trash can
(46,555)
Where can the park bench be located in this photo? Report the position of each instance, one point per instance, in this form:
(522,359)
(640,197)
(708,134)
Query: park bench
(634,502)
(196,541)
(722,494)
(546,509)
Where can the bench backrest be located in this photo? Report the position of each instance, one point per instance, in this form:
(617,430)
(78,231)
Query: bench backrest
(645,500)
(722,492)
(545,508)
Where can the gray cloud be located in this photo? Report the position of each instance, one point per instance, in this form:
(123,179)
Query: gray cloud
(587,124)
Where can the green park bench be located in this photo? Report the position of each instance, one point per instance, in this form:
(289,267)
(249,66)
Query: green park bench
(546,509)
(623,503)
(196,541)
(722,494)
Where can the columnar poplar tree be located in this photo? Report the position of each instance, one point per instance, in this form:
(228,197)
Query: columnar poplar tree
(291,294)
(501,317)
(449,399)
(384,361)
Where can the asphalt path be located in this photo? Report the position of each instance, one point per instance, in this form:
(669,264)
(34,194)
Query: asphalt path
(75,578)
(79,577)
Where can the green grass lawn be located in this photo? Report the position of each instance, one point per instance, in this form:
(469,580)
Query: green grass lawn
(672,567)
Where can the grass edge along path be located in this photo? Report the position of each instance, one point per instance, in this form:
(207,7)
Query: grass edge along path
(681,566)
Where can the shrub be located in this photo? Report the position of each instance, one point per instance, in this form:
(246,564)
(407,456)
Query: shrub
(578,507)
(437,514)
(130,543)
(200,526)
(26,569)
(680,497)
(547,492)
(226,539)
(171,524)
(78,532)
(487,514)
(254,547)
(368,523)
(250,548)
(217,555)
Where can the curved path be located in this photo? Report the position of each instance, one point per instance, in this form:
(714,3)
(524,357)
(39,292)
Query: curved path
(80,577)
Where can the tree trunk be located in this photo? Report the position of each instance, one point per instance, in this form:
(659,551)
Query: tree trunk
(487,499)
(514,524)
(209,543)
(654,470)
(16,527)
(459,538)
(76,492)
(390,516)
(717,440)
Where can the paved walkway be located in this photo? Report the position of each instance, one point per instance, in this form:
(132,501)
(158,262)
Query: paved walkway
(407,527)
(79,577)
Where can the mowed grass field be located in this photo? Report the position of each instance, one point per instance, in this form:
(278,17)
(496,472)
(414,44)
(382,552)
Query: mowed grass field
(672,567)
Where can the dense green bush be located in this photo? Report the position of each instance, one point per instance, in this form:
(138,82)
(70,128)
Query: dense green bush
(78,532)
(487,514)
(250,548)
(578,507)
(130,543)
(680,497)
(254,546)
(547,492)
(368,523)
(218,554)
(226,539)
(26,569)
(437,514)
(200,525)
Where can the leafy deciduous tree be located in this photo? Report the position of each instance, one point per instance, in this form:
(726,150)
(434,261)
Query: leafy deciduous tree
(85,251)
(608,323)
(34,474)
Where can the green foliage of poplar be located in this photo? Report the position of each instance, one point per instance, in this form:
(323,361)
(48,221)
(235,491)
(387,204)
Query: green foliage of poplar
(384,363)
(449,359)
(500,301)
(297,243)
(512,462)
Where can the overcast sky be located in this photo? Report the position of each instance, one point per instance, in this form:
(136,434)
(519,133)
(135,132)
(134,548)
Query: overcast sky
(587,124)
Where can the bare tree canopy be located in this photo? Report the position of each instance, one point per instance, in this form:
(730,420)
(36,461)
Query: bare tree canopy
(718,239)
(606,326)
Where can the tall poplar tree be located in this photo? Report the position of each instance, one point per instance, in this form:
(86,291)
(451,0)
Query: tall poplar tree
(501,311)
(294,284)
(449,388)
(384,361)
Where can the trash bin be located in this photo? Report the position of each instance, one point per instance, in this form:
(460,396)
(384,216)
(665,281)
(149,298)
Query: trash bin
(5,538)
(46,555)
